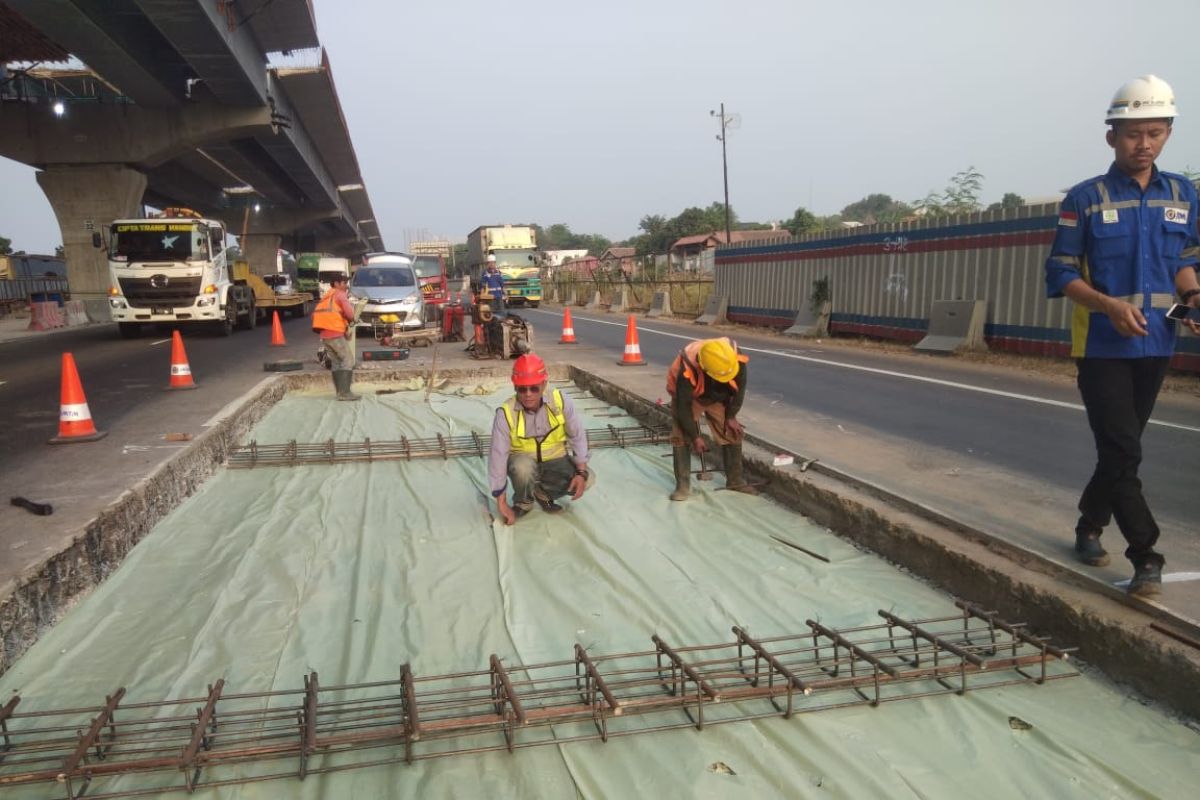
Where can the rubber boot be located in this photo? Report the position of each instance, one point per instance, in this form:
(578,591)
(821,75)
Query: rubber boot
(683,473)
(732,455)
(341,382)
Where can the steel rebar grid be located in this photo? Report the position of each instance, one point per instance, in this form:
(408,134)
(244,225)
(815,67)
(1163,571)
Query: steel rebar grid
(292,453)
(322,729)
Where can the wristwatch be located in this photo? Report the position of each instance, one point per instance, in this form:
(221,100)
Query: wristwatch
(582,472)
(1188,295)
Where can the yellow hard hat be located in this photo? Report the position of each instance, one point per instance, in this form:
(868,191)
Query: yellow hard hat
(718,360)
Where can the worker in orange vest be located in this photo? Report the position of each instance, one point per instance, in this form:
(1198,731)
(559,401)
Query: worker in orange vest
(707,378)
(332,319)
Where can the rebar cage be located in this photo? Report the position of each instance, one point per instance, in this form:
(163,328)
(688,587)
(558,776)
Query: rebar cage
(221,739)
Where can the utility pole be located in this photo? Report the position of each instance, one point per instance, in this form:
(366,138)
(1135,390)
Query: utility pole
(724,165)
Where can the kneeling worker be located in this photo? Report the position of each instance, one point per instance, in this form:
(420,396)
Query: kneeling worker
(332,319)
(707,378)
(539,443)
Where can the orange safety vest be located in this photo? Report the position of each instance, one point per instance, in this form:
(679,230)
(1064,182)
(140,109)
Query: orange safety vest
(687,364)
(327,316)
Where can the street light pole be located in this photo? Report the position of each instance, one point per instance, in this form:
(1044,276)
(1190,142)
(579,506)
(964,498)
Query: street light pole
(724,166)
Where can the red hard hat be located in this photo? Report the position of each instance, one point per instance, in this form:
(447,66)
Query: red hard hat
(528,370)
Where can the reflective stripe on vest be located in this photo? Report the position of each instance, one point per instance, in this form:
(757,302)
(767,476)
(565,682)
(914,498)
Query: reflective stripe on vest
(327,316)
(551,446)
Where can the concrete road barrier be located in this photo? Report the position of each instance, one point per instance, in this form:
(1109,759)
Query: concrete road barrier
(955,325)
(809,324)
(715,310)
(45,316)
(661,305)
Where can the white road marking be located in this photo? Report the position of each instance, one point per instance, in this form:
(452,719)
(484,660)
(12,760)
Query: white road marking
(893,374)
(160,341)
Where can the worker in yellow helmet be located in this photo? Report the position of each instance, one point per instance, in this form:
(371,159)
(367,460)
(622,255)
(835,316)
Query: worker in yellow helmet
(707,378)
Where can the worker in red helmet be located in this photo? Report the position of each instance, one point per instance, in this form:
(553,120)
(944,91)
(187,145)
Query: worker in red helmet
(539,443)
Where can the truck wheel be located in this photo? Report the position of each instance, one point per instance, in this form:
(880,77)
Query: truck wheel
(130,330)
(535,304)
(225,327)
(248,322)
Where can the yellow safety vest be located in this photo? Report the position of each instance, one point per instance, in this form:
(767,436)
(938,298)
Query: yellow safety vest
(551,446)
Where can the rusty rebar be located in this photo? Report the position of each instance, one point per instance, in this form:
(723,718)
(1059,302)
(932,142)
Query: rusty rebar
(179,745)
(292,453)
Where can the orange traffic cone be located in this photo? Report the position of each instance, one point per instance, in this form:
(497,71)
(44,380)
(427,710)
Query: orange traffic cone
(181,371)
(568,329)
(277,339)
(74,417)
(633,351)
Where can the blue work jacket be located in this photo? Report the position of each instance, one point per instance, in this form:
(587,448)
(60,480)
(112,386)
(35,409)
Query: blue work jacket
(1128,244)
(492,284)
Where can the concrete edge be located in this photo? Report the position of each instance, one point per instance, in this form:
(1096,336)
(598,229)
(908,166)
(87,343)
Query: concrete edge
(45,590)
(1127,643)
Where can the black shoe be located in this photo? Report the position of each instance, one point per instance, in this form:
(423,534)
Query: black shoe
(549,506)
(1089,551)
(519,512)
(1147,580)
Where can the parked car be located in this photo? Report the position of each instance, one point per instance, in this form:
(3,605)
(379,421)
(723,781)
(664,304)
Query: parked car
(388,284)
(280,284)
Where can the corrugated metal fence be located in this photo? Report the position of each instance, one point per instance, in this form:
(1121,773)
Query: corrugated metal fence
(883,279)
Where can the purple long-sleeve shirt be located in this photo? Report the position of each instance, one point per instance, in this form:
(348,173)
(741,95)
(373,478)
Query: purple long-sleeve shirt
(537,424)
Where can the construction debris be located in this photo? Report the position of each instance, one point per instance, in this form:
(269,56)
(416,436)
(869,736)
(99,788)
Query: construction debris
(182,745)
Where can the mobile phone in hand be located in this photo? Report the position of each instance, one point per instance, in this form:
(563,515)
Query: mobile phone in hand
(1181,312)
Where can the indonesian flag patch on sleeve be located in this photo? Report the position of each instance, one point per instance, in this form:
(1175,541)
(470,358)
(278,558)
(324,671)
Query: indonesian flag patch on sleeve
(1068,219)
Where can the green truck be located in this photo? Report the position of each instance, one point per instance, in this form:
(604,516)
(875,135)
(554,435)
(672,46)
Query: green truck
(517,259)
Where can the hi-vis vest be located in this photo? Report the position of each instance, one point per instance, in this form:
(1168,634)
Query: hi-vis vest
(327,316)
(553,445)
(687,365)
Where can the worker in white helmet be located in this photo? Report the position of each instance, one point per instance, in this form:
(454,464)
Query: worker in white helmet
(491,286)
(1125,251)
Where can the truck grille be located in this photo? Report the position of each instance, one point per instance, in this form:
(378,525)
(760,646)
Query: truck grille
(161,291)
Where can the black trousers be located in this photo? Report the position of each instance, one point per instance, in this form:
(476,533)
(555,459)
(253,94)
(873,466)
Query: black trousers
(1119,394)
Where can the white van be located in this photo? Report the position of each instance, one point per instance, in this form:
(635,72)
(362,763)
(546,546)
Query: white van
(388,284)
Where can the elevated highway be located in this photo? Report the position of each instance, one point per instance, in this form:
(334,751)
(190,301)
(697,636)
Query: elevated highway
(217,106)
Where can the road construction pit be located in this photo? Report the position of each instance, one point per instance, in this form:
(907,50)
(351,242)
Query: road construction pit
(353,568)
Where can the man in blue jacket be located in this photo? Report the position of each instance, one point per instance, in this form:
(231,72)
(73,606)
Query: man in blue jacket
(491,287)
(1126,247)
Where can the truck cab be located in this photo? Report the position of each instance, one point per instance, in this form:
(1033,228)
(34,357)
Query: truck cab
(173,269)
(431,275)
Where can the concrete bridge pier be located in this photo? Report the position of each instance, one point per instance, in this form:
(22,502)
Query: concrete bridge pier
(262,251)
(86,198)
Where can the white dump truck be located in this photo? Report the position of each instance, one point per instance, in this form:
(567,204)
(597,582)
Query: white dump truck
(173,269)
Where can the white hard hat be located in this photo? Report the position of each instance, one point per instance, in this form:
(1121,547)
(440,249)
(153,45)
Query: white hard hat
(491,259)
(1146,97)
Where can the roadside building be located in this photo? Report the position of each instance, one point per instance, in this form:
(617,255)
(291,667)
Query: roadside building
(695,253)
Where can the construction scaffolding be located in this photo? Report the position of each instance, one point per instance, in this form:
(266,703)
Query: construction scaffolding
(224,739)
(293,453)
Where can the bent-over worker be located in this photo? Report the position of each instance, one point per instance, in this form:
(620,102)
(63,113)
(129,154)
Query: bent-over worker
(707,378)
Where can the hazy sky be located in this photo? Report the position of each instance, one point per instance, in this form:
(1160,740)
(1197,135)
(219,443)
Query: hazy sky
(466,112)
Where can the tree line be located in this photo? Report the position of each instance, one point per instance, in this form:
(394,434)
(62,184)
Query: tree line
(658,232)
